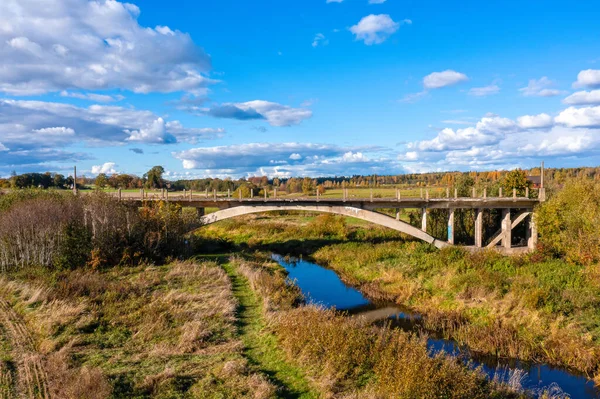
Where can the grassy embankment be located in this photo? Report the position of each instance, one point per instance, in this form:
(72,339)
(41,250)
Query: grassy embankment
(350,358)
(532,307)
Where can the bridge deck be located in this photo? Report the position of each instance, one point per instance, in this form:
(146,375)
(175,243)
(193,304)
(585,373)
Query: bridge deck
(362,203)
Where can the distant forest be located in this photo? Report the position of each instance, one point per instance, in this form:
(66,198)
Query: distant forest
(154,179)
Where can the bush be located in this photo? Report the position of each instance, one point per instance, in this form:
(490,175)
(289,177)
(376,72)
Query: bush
(569,222)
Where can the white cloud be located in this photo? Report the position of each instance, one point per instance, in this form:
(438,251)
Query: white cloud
(275,114)
(100,98)
(376,1)
(445,78)
(27,125)
(583,98)
(580,117)
(3,147)
(414,97)
(107,168)
(540,88)
(484,91)
(535,121)
(283,159)
(93,45)
(588,78)
(375,29)
(320,39)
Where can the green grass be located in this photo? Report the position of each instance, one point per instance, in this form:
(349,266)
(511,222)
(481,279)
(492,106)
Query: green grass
(261,344)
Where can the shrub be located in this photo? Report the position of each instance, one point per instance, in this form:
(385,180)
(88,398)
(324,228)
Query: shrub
(568,222)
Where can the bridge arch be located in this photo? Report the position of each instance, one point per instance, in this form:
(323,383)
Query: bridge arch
(363,214)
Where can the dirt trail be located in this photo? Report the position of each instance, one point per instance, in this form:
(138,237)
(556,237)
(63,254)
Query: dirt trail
(31,380)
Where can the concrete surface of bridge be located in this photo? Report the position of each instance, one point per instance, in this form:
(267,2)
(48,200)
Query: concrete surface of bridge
(515,210)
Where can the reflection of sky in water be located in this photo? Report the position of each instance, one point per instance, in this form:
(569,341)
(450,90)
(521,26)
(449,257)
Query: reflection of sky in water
(320,285)
(323,286)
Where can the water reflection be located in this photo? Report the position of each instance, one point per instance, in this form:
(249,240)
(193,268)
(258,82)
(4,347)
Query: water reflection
(322,286)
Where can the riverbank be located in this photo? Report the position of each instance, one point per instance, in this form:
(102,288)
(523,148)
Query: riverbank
(530,307)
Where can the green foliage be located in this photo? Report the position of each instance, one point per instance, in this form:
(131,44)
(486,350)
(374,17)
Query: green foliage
(154,177)
(569,223)
(515,179)
(328,225)
(75,247)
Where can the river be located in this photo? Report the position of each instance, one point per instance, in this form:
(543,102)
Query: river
(322,286)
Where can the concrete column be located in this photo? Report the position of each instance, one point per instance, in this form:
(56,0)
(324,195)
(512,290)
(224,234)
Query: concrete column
(207,193)
(421,195)
(514,193)
(478,228)
(485,193)
(506,228)
(191,194)
(119,194)
(240,193)
(500,192)
(526,192)
(532,234)
(397,194)
(451,226)
(397,213)
(317,194)
(265,191)
(184,194)
(274,193)
(215,194)
(447,192)
(200,212)
(142,193)
(455,193)
(371,195)
(424,219)
(474,192)
(228,193)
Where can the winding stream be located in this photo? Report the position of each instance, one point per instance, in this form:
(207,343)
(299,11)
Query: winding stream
(323,286)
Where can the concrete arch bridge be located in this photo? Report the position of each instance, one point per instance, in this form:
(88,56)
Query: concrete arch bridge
(515,210)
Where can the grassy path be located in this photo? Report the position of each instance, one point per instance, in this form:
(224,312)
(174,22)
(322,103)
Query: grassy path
(261,346)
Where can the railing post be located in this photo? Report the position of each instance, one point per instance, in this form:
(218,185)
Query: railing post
(275,193)
(371,195)
(485,192)
(240,193)
(207,193)
(526,192)
(191,194)
(252,193)
(142,193)
(421,195)
(228,193)
(119,194)
(455,193)
(514,193)
(397,194)
(426,194)
(474,192)
(500,192)
(447,192)
(265,191)
(167,195)
(215,194)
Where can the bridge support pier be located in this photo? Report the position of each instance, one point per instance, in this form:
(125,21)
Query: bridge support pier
(397,213)
(424,219)
(451,226)
(506,229)
(532,234)
(478,228)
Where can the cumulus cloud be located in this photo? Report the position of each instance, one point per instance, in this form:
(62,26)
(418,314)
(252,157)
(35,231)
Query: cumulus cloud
(496,142)
(445,78)
(283,159)
(93,45)
(583,98)
(107,168)
(375,29)
(540,88)
(588,78)
(580,117)
(484,91)
(535,121)
(275,114)
(36,128)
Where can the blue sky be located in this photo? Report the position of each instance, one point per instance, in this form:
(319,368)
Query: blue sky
(234,88)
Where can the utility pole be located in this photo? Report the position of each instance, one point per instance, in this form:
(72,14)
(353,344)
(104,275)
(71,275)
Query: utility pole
(75,180)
